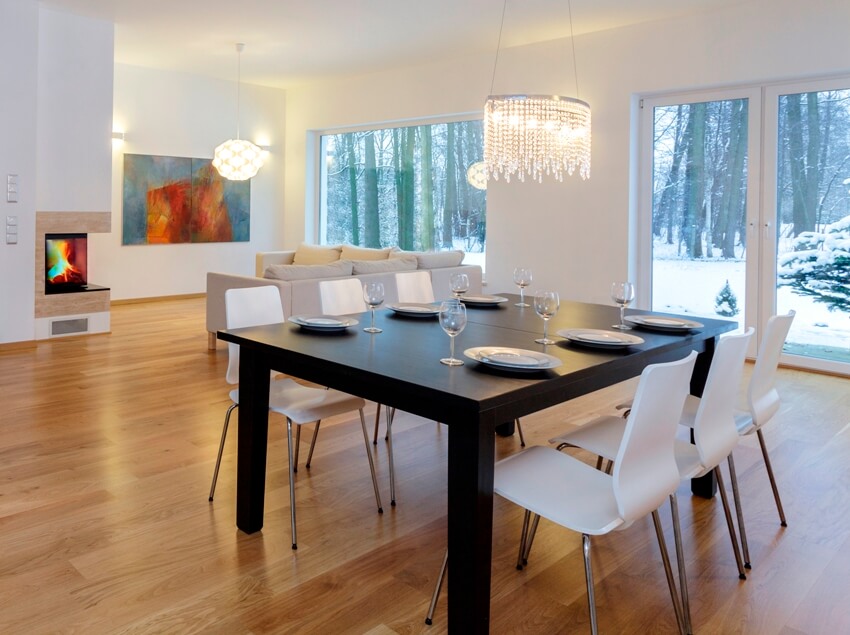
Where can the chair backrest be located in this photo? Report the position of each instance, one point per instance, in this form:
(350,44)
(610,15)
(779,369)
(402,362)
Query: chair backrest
(715,432)
(645,471)
(249,306)
(762,398)
(415,287)
(342,297)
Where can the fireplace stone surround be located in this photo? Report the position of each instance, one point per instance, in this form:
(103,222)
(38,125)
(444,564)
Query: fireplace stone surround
(63,314)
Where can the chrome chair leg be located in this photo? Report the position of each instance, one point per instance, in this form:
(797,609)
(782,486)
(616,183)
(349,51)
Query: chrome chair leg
(390,413)
(531,534)
(371,461)
(430,616)
(739,511)
(297,448)
(377,423)
(522,538)
(772,479)
(680,559)
(668,571)
(588,576)
(291,482)
(221,448)
(519,430)
(312,444)
(732,533)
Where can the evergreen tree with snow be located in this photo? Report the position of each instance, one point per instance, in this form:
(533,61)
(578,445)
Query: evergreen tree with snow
(726,302)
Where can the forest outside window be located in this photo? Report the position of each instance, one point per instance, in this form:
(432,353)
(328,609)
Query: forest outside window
(405,187)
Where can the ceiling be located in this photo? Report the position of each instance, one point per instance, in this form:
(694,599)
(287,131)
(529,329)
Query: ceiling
(293,41)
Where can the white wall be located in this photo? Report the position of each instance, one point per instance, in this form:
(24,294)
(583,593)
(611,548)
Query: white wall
(175,114)
(18,78)
(74,113)
(575,235)
(55,112)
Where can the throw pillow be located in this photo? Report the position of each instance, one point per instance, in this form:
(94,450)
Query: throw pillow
(307,272)
(350,252)
(408,263)
(433,259)
(316,254)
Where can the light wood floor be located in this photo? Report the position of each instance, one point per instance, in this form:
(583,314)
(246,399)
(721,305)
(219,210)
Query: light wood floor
(107,445)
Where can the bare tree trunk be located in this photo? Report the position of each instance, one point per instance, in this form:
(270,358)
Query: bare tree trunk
(371,219)
(352,187)
(427,199)
(450,207)
(693,216)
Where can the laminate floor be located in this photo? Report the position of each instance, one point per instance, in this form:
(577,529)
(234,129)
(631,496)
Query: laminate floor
(107,445)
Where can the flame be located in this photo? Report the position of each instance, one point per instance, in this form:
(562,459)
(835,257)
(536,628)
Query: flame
(60,253)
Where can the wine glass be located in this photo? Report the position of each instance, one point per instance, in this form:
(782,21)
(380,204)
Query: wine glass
(522,278)
(453,320)
(546,304)
(373,295)
(459,283)
(622,293)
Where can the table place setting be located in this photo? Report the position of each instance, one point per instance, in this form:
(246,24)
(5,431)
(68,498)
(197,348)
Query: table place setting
(477,301)
(326,323)
(598,338)
(413,309)
(513,359)
(663,323)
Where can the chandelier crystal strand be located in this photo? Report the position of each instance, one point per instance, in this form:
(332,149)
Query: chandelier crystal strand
(237,159)
(536,135)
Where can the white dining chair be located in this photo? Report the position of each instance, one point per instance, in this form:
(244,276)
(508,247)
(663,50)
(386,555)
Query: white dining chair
(255,306)
(762,396)
(345,297)
(563,489)
(714,433)
(414,287)
(342,297)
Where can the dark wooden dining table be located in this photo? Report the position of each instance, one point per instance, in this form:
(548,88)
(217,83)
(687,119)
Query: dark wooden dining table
(400,368)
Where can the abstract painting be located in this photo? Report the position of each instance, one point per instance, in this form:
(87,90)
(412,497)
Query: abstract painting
(182,200)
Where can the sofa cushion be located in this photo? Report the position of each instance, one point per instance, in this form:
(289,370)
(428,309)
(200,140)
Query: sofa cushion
(433,259)
(316,254)
(408,263)
(351,252)
(306,272)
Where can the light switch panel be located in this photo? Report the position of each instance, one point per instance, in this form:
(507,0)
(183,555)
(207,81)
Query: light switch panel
(11,239)
(11,188)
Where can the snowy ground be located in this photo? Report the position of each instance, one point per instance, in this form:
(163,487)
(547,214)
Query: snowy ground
(687,286)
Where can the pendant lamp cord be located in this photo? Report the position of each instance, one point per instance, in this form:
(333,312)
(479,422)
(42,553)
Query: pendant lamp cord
(498,46)
(239,47)
(573,42)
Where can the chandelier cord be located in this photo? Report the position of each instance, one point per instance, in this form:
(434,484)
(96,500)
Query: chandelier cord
(498,46)
(573,43)
(239,47)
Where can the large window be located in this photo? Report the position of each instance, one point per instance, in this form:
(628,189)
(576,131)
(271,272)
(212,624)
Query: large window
(404,186)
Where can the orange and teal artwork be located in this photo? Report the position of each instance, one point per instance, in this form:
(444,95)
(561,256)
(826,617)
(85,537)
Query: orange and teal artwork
(182,200)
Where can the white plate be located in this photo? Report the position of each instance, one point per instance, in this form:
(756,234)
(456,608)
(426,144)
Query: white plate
(323,322)
(512,358)
(602,339)
(415,310)
(483,300)
(663,323)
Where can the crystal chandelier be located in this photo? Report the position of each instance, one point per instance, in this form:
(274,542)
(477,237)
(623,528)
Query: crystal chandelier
(237,159)
(536,134)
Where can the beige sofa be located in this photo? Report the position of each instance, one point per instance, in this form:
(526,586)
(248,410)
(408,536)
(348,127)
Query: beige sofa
(297,274)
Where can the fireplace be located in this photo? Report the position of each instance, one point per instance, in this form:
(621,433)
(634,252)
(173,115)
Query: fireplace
(65,263)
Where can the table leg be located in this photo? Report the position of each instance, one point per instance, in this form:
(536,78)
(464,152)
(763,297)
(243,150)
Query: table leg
(470,497)
(705,486)
(253,440)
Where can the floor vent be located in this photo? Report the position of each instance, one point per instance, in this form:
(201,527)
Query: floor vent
(69,327)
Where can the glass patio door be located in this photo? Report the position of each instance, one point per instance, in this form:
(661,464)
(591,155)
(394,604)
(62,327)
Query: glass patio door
(807,207)
(699,203)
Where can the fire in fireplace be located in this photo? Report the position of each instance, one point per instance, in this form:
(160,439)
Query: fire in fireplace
(65,263)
